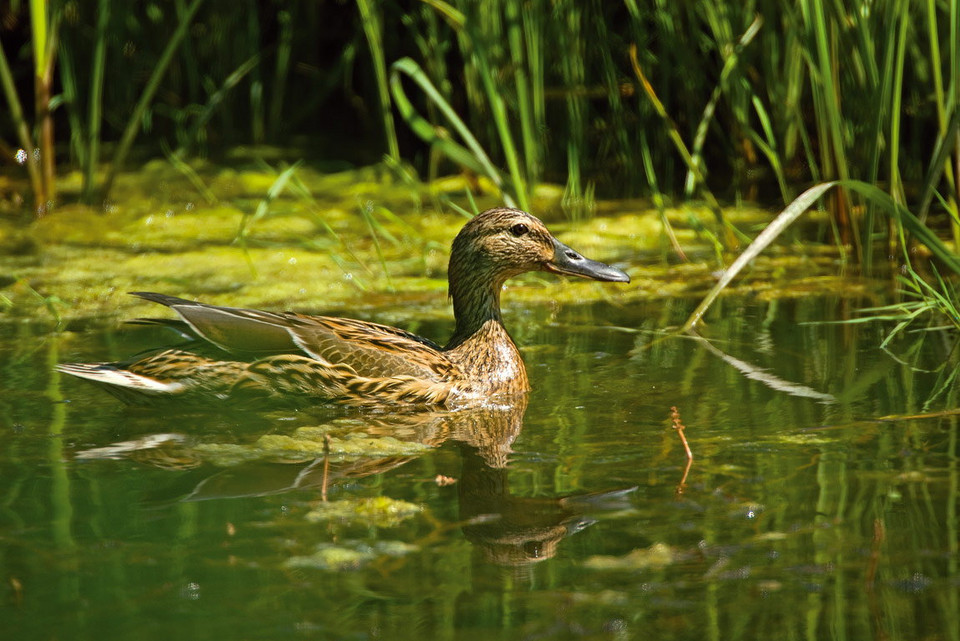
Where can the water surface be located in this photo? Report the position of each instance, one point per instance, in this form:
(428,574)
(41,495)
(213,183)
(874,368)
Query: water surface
(821,502)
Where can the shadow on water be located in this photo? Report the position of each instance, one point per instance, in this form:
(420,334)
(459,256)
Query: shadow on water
(821,502)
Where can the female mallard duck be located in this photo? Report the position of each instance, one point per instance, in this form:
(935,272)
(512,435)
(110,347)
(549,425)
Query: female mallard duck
(318,358)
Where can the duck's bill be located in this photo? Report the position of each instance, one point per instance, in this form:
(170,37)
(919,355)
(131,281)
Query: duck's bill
(567,261)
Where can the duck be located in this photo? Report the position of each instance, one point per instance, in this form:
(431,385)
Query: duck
(253,354)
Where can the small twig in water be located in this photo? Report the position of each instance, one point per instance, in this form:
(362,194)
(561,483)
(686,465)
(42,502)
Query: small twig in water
(678,425)
(326,467)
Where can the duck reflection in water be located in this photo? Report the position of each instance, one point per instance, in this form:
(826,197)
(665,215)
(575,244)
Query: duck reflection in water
(509,530)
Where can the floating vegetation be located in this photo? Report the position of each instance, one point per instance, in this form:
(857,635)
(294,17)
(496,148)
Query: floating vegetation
(655,557)
(378,511)
(348,555)
(307,252)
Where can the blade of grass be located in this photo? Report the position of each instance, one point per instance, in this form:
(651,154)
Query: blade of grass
(498,111)
(303,192)
(450,13)
(896,180)
(68,80)
(677,139)
(95,102)
(44,32)
(136,117)
(522,82)
(729,65)
(795,209)
(886,101)
(263,207)
(908,222)
(658,197)
(187,171)
(783,220)
(824,80)
(473,156)
(767,146)
(215,101)
(373,28)
(375,229)
(940,161)
(282,68)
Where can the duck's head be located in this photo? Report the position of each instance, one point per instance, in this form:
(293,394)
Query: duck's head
(500,243)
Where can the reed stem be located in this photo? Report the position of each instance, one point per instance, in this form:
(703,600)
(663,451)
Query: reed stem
(23,132)
(95,102)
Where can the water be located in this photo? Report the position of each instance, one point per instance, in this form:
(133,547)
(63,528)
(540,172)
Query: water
(821,502)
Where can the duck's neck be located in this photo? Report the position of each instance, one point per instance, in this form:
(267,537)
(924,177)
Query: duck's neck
(476,301)
(480,344)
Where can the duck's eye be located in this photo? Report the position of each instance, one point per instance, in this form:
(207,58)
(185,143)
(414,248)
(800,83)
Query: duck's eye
(519,229)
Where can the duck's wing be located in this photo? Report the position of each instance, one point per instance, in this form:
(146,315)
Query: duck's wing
(370,349)
(373,350)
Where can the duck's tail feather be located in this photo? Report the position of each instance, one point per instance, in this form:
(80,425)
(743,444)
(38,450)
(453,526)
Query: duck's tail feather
(124,384)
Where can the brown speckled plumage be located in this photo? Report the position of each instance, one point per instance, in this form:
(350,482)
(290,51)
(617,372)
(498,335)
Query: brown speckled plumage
(318,358)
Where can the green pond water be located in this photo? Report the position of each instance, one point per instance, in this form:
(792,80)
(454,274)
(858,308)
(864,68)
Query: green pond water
(821,502)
